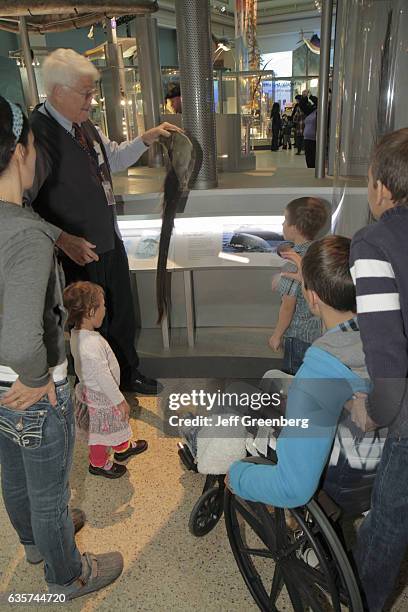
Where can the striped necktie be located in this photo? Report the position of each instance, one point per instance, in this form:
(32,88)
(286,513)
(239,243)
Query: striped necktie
(80,136)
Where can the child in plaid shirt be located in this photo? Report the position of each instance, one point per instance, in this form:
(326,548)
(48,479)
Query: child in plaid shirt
(296,326)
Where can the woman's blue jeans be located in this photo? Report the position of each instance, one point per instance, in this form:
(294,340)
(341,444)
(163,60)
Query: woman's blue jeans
(36,450)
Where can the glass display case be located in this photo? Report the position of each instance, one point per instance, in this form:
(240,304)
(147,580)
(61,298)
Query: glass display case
(222,256)
(201,249)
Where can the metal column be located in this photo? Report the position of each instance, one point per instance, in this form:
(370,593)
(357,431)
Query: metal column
(122,79)
(150,79)
(28,60)
(196,80)
(322,114)
(112,88)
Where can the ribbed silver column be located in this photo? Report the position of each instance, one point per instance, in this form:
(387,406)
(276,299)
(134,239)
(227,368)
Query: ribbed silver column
(196,81)
(147,41)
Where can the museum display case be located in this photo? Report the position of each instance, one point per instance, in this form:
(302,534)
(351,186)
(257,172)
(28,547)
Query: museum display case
(222,256)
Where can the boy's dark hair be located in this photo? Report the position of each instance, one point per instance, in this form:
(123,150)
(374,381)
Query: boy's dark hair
(7,139)
(325,270)
(389,164)
(308,215)
(80,299)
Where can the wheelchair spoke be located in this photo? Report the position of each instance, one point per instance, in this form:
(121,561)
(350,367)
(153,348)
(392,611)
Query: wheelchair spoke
(277,585)
(282,538)
(257,552)
(291,581)
(253,522)
(310,598)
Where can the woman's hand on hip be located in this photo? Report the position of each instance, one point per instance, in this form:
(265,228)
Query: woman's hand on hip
(21,397)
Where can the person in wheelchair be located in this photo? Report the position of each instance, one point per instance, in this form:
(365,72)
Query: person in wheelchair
(332,372)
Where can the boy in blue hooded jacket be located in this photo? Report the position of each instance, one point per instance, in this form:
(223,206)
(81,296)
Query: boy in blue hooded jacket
(332,371)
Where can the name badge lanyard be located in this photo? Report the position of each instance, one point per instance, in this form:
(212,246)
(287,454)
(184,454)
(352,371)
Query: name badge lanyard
(100,171)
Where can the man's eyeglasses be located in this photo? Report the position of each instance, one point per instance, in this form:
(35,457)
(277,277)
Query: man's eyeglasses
(85,94)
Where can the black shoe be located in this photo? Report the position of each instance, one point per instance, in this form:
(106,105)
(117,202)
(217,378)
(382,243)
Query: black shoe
(143,385)
(116,471)
(139,447)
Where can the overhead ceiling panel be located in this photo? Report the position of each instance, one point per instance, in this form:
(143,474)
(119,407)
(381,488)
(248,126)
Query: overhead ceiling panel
(57,15)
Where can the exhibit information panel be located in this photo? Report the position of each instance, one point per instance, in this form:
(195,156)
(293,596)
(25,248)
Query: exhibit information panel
(206,242)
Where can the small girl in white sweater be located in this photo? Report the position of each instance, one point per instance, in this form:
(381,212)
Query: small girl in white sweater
(100,406)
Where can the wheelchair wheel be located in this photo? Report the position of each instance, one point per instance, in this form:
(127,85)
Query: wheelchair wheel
(206,512)
(299,551)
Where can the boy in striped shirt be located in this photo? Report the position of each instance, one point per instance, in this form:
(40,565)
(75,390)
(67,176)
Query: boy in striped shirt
(297,327)
(379,267)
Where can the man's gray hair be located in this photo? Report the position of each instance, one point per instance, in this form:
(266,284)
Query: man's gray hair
(66,67)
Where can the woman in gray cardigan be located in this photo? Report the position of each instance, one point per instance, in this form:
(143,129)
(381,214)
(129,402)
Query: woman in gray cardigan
(37,427)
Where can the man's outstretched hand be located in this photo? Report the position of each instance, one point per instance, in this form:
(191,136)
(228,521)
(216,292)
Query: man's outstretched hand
(78,249)
(164,129)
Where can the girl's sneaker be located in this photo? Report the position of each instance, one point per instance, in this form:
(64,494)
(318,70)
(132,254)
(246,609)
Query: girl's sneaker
(135,448)
(109,470)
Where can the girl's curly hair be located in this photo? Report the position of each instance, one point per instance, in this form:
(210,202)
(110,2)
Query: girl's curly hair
(80,299)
